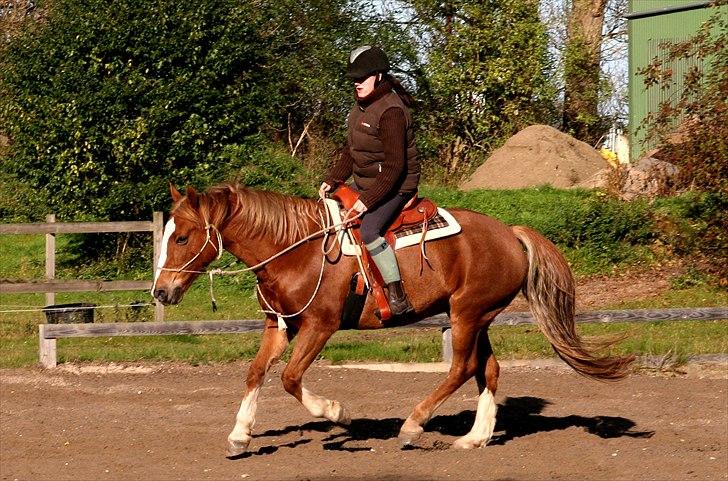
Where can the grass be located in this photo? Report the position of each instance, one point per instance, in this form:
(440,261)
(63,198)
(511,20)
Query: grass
(22,257)
(19,338)
(676,338)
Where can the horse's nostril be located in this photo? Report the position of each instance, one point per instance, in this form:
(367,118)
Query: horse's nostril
(160,295)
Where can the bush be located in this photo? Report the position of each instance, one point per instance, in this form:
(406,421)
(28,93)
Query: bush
(107,101)
(594,231)
(699,113)
(19,202)
(570,218)
(694,224)
(265,166)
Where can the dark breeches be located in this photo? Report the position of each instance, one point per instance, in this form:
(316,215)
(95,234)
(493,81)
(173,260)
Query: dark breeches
(374,221)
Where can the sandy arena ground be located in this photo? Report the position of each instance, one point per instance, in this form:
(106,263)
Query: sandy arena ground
(171,421)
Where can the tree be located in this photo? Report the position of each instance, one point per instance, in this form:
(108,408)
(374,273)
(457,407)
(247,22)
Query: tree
(486,75)
(582,69)
(109,100)
(693,127)
(692,131)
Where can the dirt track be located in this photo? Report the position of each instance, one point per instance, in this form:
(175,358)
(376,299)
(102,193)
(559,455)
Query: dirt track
(170,422)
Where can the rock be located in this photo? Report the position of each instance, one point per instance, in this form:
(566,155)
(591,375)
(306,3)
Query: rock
(649,178)
(600,180)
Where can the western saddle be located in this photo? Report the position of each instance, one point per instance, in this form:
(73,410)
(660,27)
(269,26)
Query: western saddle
(418,211)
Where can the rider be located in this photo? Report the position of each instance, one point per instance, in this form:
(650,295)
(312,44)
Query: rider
(382,157)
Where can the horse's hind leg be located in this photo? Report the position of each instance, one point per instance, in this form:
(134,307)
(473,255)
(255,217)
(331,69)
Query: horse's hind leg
(309,344)
(463,367)
(272,345)
(487,378)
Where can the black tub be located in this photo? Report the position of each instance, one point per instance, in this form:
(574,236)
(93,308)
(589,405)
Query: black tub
(69,313)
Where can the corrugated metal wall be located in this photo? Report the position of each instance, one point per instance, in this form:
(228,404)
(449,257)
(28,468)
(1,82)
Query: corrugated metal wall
(645,37)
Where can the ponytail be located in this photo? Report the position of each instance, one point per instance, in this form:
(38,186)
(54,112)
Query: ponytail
(397,86)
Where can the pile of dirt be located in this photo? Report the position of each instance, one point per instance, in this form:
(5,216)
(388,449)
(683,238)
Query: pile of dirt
(537,155)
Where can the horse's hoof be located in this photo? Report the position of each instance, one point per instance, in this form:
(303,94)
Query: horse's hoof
(468,443)
(408,438)
(236,448)
(336,413)
(344,418)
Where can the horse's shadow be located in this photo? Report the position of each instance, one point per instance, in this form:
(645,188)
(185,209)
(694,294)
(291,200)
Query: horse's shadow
(517,417)
(521,416)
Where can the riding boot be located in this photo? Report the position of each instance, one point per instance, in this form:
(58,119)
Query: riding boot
(399,304)
(385,260)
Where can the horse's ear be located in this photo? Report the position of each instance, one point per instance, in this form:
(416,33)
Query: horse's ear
(176,196)
(192,197)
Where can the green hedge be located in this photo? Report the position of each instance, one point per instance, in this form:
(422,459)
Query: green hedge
(571,218)
(595,231)
(107,100)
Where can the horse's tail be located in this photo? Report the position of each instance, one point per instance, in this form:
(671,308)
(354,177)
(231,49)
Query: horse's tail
(550,291)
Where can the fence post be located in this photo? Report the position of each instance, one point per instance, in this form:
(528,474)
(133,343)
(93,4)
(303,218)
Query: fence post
(46,348)
(157,221)
(50,260)
(447,344)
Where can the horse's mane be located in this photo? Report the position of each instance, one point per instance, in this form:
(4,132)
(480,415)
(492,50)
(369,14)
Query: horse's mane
(283,219)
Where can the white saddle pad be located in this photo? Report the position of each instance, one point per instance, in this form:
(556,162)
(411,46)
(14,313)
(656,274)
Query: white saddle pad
(443,224)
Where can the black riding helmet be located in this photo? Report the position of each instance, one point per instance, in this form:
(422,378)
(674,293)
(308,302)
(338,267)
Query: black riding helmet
(365,61)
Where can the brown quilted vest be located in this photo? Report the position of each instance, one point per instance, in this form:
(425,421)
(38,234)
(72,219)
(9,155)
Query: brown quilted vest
(366,147)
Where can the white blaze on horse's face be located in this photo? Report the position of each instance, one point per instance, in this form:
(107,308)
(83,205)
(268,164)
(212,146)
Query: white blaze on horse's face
(168,231)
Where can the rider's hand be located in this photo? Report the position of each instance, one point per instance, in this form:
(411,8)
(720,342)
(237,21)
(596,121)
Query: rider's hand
(323,189)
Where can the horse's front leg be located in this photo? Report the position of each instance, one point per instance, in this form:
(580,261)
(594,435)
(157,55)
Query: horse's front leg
(311,339)
(272,345)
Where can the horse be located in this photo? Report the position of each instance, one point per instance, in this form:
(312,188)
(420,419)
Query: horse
(472,276)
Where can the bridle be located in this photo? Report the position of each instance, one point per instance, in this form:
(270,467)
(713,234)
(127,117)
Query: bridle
(208,240)
(326,229)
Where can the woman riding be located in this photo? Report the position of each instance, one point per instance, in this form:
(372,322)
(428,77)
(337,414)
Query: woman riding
(382,157)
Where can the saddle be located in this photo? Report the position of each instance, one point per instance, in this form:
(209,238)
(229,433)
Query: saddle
(416,211)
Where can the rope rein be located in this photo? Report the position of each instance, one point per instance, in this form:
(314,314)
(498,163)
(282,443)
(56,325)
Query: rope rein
(327,228)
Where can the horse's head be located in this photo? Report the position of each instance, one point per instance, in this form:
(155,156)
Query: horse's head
(189,244)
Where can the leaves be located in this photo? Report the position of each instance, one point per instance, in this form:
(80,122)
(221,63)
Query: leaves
(137,93)
(486,75)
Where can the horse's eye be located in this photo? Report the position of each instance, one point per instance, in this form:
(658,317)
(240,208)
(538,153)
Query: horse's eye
(182,240)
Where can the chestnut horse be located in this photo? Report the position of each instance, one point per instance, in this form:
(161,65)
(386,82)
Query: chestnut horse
(472,276)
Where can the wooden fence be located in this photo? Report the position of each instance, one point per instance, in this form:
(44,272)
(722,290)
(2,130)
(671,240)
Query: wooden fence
(51,285)
(48,333)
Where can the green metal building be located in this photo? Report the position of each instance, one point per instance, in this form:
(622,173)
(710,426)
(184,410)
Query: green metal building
(650,23)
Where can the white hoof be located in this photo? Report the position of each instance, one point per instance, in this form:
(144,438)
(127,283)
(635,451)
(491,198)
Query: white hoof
(343,416)
(469,443)
(236,448)
(409,435)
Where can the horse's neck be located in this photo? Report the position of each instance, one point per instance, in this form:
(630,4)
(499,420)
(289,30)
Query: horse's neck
(253,248)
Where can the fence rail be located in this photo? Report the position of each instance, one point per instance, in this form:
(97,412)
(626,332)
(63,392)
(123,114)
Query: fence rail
(51,285)
(78,227)
(73,286)
(48,333)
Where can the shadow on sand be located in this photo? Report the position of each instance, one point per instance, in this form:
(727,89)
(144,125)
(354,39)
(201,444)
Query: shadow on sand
(517,417)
